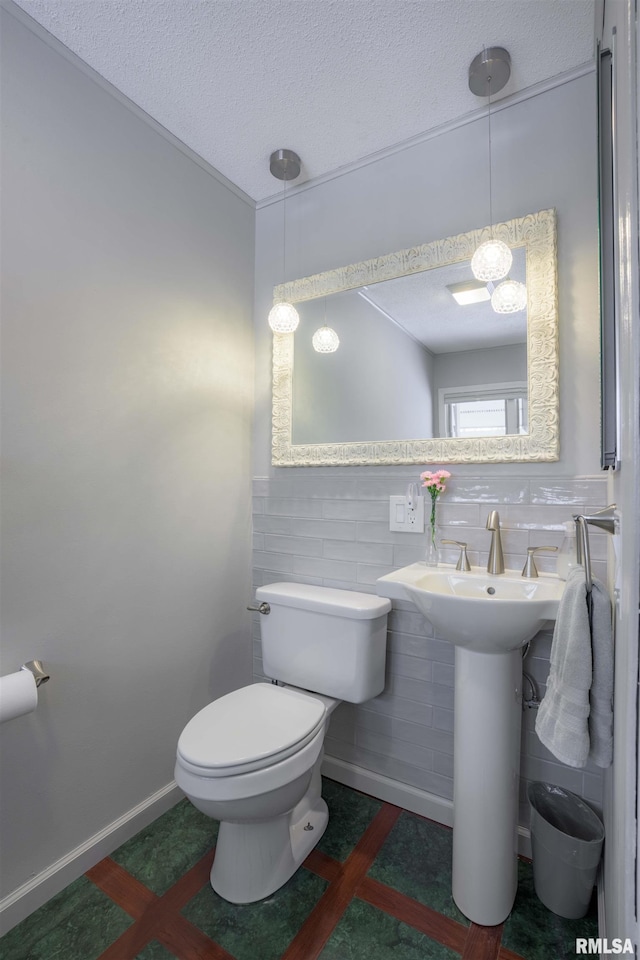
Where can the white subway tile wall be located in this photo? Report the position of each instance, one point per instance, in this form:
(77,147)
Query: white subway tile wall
(332,528)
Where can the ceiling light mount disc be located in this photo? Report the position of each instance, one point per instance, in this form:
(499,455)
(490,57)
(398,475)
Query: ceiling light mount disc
(284,164)
(489,71)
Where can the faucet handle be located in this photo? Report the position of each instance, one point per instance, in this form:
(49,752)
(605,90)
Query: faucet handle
(463,560)
(530,570)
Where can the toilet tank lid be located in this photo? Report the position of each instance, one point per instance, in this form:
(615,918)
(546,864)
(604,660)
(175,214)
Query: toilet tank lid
(338,603)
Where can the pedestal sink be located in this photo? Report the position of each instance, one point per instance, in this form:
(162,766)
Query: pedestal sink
(488,618)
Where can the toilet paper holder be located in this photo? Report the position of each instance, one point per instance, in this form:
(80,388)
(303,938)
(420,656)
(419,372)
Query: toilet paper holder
(35,667)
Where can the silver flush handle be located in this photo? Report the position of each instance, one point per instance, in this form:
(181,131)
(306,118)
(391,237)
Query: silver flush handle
(262,608)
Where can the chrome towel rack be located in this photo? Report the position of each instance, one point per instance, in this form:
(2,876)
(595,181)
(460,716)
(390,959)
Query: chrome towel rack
(604,519)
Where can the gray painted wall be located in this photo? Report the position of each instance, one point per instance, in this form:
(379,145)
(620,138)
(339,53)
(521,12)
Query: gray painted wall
(344,396)
(126,410)
(330,525)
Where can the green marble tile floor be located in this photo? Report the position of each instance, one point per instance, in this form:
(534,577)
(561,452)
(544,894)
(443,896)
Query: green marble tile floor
(77,924)
(413,862)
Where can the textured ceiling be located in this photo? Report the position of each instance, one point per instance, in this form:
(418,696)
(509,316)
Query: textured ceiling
(334,80)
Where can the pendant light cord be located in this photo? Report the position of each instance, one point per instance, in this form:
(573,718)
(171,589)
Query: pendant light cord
(490,177)
(283,316)
(284,227)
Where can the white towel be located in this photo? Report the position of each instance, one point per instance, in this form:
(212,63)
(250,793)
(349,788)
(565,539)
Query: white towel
(575,718)
(601,694)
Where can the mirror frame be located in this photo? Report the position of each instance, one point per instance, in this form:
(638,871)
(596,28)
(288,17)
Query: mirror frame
(536,232)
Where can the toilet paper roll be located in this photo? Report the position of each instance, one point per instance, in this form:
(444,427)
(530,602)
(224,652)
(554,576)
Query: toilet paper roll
(18,695)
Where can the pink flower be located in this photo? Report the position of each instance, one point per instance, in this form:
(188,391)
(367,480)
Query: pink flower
(434,481)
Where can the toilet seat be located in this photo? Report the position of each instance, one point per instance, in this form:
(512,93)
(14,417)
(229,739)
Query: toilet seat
(249,729)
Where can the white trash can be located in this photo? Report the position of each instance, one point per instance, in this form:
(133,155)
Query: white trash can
(566,840)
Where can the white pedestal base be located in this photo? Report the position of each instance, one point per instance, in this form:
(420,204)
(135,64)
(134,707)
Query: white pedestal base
(488,716)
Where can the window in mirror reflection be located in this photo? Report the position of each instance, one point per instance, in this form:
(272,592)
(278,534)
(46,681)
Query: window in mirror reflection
(484,411)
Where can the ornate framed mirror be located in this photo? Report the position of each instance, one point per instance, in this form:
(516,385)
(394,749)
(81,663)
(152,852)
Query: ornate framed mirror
(419,378)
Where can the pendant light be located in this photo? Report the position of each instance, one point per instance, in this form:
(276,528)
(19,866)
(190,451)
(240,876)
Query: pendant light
(488,73)
(284,165)
(325,339)
(510,296)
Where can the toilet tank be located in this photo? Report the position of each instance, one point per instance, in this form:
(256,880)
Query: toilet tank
(325,640)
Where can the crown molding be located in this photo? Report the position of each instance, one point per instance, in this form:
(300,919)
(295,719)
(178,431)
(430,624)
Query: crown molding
(534,91)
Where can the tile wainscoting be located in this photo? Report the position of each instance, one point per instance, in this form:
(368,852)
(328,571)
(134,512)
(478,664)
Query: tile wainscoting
(331,527)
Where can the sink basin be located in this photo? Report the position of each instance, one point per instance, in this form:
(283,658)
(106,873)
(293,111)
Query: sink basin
(483,612)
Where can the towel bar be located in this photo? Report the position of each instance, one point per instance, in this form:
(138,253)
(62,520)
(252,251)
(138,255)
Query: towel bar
(605,520)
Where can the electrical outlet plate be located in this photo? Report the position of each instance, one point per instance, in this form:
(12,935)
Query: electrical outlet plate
(404,518)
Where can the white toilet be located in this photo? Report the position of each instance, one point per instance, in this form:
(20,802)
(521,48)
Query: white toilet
(252,758)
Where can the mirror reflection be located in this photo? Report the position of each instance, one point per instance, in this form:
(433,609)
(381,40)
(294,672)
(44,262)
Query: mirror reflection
(420,356)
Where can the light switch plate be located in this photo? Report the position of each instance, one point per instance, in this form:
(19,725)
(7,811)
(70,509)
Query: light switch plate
(405,519)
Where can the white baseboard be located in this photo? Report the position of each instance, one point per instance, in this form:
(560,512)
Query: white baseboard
(36,891)
(402,795)
(392,791)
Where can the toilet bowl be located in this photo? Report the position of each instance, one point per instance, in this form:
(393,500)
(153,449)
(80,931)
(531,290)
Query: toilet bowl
(252,758)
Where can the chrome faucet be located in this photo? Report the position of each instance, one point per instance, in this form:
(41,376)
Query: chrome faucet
(496,558)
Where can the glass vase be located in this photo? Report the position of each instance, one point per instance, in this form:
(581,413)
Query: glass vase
(431,555)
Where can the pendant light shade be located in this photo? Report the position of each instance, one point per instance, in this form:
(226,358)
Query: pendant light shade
(284,165)
(325,340)
(491,261)
(283,318)
(488,74)
(509,297)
